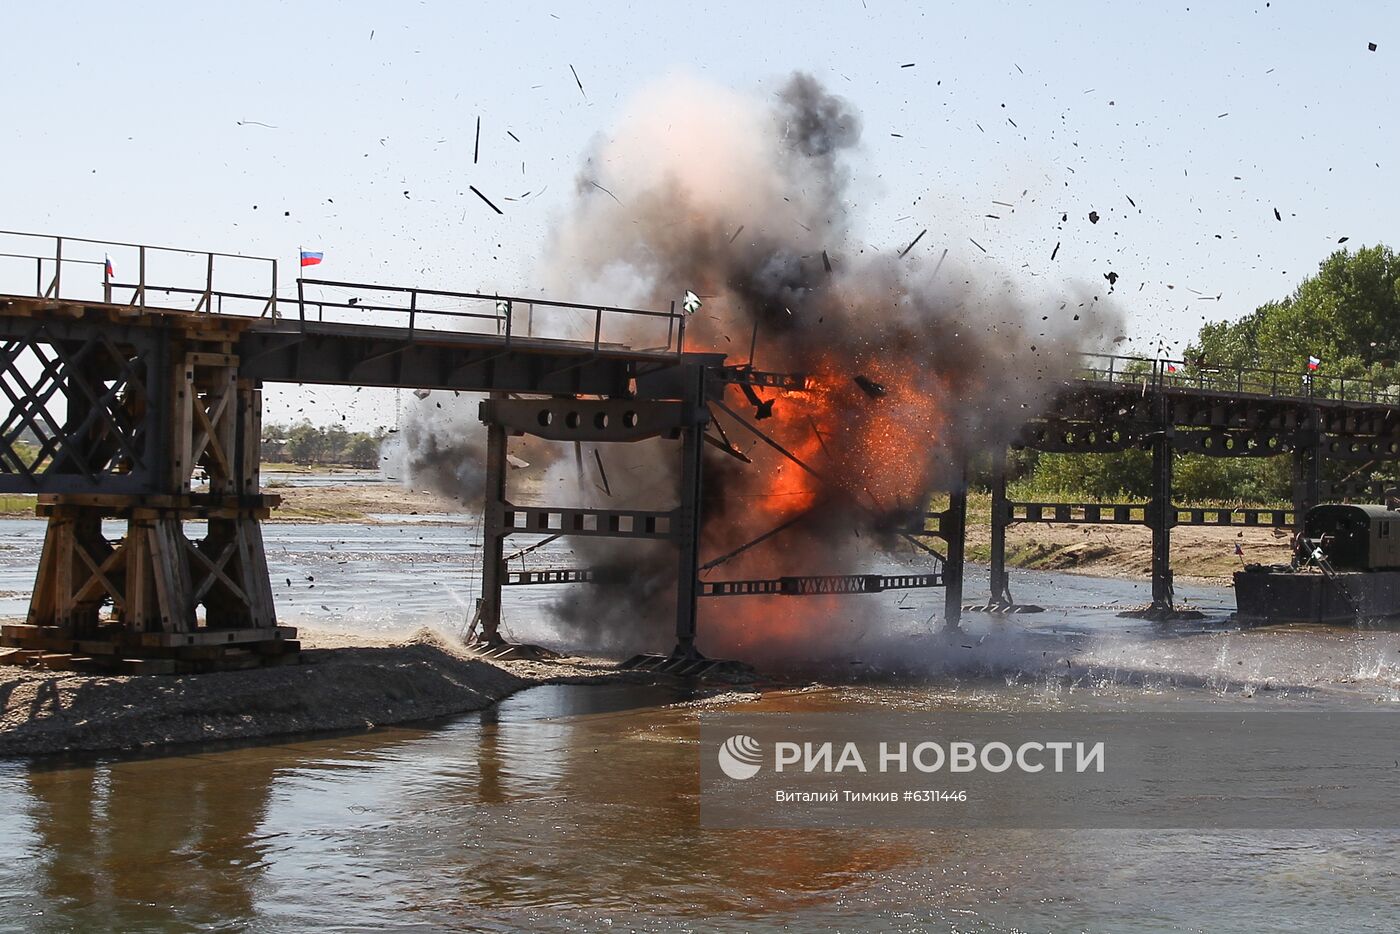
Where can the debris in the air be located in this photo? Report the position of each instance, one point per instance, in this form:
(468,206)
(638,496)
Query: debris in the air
(978,245)
(512,136)
(1054,251)
(1093,217)
(486,199)
(517,462)
(1112,278)
(579,83)
(871,388)
(916,240)
(1277,215)
(601,472)
(1371,46)
(736,233)
(763,408)
(603,190)
(691,302)
(1130,200)
(1343,239)
(939,265)
(476,147)
(911,64)
(826,260)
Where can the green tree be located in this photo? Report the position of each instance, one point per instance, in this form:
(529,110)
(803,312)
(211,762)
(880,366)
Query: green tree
(1347,314)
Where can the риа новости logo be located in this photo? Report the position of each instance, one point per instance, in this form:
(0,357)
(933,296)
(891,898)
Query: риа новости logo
(740,757)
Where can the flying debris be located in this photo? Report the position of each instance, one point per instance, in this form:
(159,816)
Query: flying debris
(916,240)
(519,463)
(1093,217)
(871,388)
(691,302)
(603,474)
(486,199)
(763,408)
(603,190)
(1277,215)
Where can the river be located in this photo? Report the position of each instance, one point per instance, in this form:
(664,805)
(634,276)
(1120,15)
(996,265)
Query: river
(576,807)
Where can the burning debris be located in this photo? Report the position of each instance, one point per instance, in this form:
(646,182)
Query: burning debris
(763,408)
(871,388)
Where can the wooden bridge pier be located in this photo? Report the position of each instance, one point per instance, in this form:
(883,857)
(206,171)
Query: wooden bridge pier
(150,403)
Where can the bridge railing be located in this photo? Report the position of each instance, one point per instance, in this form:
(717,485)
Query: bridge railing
(513,317)
(139,275)
(1293,384)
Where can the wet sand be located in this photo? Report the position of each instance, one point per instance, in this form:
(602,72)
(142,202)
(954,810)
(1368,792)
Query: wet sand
(346,682)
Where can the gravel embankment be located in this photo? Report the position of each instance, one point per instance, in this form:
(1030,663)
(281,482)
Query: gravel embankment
(344,682)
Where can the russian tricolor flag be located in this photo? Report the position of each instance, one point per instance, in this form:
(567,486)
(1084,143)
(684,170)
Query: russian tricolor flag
(309,258)
(107,269)
(1313,362)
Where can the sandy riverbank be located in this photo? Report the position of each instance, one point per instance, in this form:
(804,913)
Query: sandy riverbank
(1204,554)
(345,683)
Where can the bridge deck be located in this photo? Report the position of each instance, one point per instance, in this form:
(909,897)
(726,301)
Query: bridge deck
(378,355)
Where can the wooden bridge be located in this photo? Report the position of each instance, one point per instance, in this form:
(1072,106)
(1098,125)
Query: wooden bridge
(120,390)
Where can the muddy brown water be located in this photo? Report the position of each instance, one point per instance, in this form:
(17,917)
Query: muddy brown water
(576,807)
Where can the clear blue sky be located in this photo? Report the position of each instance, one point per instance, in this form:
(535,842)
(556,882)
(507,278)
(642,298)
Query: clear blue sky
(123,122)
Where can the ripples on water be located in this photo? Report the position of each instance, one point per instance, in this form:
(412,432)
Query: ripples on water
(576,807)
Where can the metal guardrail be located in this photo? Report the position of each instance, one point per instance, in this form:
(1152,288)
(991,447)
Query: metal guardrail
(201,285)
(1182,374)
(56,261)
(416,304)
(199,282)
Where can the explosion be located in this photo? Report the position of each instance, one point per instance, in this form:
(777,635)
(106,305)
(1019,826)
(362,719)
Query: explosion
(747,205)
